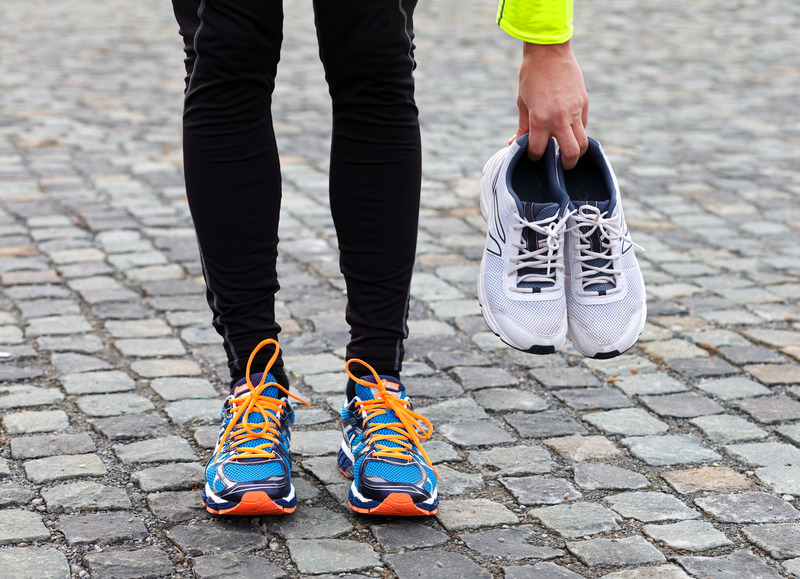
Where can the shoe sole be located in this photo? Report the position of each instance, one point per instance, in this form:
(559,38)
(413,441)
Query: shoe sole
(253,503)
(396,504)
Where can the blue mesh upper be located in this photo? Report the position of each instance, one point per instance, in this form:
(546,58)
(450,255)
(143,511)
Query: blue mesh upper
(393,472)
(246,472)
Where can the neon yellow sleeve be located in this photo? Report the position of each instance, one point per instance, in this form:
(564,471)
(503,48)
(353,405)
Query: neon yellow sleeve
(536,21)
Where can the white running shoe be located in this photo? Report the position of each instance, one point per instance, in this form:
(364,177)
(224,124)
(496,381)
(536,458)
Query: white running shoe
(606,301)
(521,281)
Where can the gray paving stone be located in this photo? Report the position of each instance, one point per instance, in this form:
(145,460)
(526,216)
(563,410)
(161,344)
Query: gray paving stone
(540,490)
(688,535)
(464,514)
(454,482)
(509,544)
(178,506)
(150,328)
(626,421)
(442,564)
(15,494)
(97,382)
(683,405)
(512,460)
(659,572)
(57,326)
(216,536)
(765,453)
(699,367)
(206,436)
(67,363)
(750,354)
(133,426)
(85,496)
(309,523)
(650,506)
(17,526)
(429,387)
(88,344)
(397,535)
(591,476)
(749,507)
(34,563)
(669,450)
(142,563)
(737,564)
(35,421)
(331,555)
(781,541)
(616,552)
(168,448)
(577,519)
(510,399)
(792,432)
(51,445)
(53,468)
(651,383)
(171,389)
(727,428)
(113,404)
(169,477)
(474,433)
(554,378)
(316,442)
(770,409)
(579,448)
(150,347)
(540,571)
(593,398)
(235,566)
(472,379)
(774,373)
(780,479)
(792,567)
(28,396)
(194,411)
(164,368)
(456,409)
(101,528)
(544,424)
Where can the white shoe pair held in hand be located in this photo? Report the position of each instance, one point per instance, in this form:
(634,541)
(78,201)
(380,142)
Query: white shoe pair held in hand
(559,260)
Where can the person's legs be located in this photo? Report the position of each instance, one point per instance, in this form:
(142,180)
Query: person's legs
(231,164)
(233,186)
(367,49)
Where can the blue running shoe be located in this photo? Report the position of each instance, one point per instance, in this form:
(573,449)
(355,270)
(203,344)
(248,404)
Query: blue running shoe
(381,449)
(250,472)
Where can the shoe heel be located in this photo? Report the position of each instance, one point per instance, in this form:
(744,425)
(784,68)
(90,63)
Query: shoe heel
(345,464)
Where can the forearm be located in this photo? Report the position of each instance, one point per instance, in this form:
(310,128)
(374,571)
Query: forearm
(536,21)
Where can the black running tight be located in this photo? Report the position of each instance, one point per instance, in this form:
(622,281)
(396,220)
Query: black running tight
(233,173)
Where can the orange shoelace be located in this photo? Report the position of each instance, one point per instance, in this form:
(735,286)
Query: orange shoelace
(270,409)
(408,432)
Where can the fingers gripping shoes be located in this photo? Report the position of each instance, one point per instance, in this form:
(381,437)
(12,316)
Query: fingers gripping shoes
(250,470)
(521,281)
(606,302)
(381,450)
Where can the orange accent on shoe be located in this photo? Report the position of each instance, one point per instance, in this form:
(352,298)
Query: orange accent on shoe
(398,505)
(254,503)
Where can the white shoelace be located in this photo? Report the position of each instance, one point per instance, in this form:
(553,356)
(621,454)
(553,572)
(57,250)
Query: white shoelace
(589,219)
(542,258)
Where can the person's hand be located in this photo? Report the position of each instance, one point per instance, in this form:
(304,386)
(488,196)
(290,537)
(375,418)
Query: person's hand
(552,101)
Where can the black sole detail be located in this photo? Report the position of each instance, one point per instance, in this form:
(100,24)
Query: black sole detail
(541,350)
(607,355)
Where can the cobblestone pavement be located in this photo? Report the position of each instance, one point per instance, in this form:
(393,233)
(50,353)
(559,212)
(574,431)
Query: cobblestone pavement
(679,459)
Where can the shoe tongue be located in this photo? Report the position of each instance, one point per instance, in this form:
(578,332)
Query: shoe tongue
(371,393)
(254,417)
(596,245)
(532,212)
